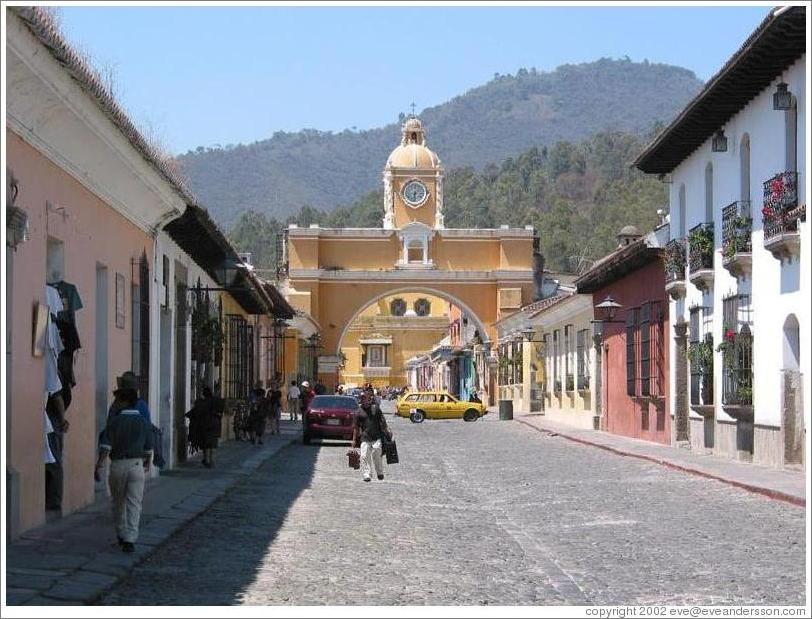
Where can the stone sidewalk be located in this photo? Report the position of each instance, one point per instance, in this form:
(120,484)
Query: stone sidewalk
(789,486)
(73,560)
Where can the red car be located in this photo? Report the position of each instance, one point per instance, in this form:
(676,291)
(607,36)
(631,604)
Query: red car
(330,416)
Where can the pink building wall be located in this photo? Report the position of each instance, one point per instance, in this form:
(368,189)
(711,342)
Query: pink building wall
(93,233)
(624,414)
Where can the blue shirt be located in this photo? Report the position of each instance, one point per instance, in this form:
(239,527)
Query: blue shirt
(140,406)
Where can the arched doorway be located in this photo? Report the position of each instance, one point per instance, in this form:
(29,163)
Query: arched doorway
(792,393)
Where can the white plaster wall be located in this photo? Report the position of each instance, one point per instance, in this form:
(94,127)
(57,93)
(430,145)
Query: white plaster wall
(777,290)
(164,245)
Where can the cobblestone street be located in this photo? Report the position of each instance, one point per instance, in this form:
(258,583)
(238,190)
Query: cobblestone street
(478,513)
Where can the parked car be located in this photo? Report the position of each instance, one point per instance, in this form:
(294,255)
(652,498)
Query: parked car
(329,417)
(421,405)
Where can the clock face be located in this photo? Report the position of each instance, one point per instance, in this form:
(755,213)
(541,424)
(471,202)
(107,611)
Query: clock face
(414,193)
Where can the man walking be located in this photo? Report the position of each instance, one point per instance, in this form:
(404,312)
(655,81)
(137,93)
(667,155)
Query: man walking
(293,401)
(127,439)
(370,427)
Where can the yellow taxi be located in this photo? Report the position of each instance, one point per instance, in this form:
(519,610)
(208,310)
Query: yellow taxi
(420,405)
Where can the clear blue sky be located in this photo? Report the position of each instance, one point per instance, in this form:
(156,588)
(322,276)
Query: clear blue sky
(200,76)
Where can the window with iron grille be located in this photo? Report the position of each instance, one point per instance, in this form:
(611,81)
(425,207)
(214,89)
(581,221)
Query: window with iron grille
(737,351)
(645,349)
(658,344)
(568,369)
(582,359)
(140,322)
(239,362)
(545,342)
(695,314)
(631,358)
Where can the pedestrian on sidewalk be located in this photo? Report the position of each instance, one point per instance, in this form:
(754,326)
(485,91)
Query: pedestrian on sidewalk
(370,427)
(293,401)
(258,417)
(205,425)
(276,407)
(127,440)
(306,397)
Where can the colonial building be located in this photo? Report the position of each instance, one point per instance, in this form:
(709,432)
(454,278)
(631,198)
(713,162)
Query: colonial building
(631,313)
(738,259)
(385,335)
(332,275)
(97,278)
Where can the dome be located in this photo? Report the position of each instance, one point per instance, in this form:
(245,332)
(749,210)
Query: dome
(413,152)
(413,156)
(629,231)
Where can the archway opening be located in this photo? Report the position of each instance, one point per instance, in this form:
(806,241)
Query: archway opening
(416,338)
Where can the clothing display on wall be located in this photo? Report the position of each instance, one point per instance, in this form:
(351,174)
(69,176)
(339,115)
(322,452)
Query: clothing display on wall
(62,342)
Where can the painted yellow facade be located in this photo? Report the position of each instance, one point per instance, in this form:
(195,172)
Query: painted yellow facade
(334,274)
(378,343)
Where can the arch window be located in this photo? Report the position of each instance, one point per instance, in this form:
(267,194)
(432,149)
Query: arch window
(792,343)
(744,168)
(422,307)
(397,307)
(709,192)
(791,132)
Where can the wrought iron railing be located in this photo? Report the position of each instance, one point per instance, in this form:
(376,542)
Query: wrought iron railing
(737,228)
(675,260)
(700,247)
(780,204)
(737,359)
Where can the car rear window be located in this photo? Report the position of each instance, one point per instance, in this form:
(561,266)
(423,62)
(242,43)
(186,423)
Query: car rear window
(334,401)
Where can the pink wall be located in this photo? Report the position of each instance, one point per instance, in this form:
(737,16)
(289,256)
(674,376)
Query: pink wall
(623,414)
(92,233)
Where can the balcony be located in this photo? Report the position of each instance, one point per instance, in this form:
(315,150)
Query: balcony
(675,268)
(700,256)
(737,229)
(781,214)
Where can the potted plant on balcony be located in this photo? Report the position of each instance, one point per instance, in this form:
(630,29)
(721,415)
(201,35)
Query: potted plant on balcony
(674,260)
(700,240)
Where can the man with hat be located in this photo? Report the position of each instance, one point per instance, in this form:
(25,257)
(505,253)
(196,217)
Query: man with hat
(129,380)
(127,440)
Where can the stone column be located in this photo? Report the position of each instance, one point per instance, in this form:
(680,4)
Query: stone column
(597,388)
(680,403)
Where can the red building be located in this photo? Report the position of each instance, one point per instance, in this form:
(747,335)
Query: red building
(628,292)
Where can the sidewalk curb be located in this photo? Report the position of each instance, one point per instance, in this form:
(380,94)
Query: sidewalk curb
(93,578)
(775,495)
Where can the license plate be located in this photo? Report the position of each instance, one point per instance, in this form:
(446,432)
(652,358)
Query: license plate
(333,422)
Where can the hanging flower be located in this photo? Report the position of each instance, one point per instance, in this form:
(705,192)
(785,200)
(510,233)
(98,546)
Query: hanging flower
(768,212)
(730,335)
(777,186)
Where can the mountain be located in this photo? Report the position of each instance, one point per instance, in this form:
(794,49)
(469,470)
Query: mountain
(577,195)
(504,117)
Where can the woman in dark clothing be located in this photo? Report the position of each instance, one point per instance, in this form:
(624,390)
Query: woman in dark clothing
(260,411)
(205,420)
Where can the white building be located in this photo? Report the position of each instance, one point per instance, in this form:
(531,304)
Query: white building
(735,161)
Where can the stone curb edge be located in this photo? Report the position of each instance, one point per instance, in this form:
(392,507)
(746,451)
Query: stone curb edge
(776,495)
(251,464)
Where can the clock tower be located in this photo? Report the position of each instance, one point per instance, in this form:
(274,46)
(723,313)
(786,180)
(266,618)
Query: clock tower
(413,181)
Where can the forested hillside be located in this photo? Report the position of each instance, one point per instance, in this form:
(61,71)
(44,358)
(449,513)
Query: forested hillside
(505,117)
(578,195)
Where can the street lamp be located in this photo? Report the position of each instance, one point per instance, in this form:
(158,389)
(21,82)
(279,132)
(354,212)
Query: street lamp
(782,98)
(608,308)
(719,142)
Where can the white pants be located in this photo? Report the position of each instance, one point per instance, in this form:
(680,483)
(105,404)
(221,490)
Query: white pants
(127,488)
(371,451)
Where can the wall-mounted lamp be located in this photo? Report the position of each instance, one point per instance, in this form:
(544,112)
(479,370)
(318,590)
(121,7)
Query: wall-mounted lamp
(606,310)
(719,142)
(782,98)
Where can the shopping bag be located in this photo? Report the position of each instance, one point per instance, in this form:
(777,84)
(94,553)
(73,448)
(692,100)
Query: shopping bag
(390,450)
(354,459)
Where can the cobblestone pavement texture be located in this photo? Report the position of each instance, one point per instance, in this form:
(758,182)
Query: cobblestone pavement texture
(478,513)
